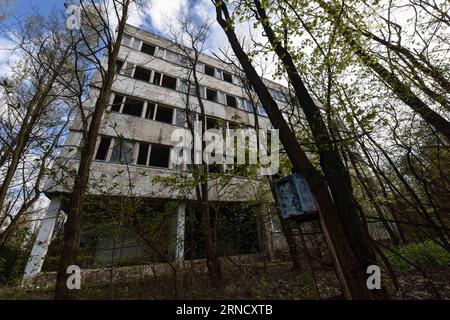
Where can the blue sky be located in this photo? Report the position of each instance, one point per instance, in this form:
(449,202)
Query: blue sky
(155,18)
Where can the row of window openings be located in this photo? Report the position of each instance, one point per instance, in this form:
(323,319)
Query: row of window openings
(167,81)
(148,110)
(127,152)
(162,113)
(140,153)
(174,57)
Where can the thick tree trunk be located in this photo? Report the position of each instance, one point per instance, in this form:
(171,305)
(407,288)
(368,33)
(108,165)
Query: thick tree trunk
(350,272)
(335,172)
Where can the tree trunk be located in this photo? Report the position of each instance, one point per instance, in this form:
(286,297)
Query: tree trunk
(75,203)
(350,272)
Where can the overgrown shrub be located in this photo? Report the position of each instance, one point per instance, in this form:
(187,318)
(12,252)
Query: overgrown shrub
(425,254)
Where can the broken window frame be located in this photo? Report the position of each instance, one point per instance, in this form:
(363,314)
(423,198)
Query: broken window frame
(229,98)
(153,148)
(216,95)
(125,156)
(149,45)
(166,76)
(107,151)
(209,68)
(225,73)
(142,69)
(162,107)
(136,100)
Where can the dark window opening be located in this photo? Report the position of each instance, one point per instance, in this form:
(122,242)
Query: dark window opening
(164,114)
(227,77)
(169,82)
(157,78)
(231,101)
(212,123)
(211,95)
(143,152)
(116,103)
(133,107)
(159,156)
(142,74)
(122,152)
(103,148)
(148,48)
(209,70)
(119,64)
(150,111)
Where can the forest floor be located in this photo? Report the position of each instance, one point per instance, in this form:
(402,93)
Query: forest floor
(250,281)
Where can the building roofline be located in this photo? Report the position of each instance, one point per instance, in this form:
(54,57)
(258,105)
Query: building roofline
(159,37)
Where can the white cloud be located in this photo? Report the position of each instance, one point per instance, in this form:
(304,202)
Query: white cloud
(7,58)
(164,11)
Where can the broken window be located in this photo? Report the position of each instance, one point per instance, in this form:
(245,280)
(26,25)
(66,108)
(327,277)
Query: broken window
(156,78)
(227,77)
(133,107)
(164,114)
(209,70)
(211,95)
(119,65)
(142,74)
(103,148)
(143,153)
(148,48)
(159,156)
(169,82)
(212,123)
(128,69)
(180,118)
(150,110)
(231,101)
(117,103)
(122,151)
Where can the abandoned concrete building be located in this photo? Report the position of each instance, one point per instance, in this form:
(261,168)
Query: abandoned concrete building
(134,147)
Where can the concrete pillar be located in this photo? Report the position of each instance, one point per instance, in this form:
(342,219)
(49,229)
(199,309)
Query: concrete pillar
(40,247)
(180,230)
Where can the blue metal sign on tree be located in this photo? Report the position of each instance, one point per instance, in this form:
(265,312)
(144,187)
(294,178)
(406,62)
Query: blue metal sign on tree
(295,199)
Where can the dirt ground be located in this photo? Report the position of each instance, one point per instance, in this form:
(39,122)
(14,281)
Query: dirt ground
(250,281)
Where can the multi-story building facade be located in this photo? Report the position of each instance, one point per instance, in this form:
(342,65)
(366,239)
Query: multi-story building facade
(134,144)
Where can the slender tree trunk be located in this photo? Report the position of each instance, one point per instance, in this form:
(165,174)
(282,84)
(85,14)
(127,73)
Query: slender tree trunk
(402,90)
(72,227)
(34,111)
